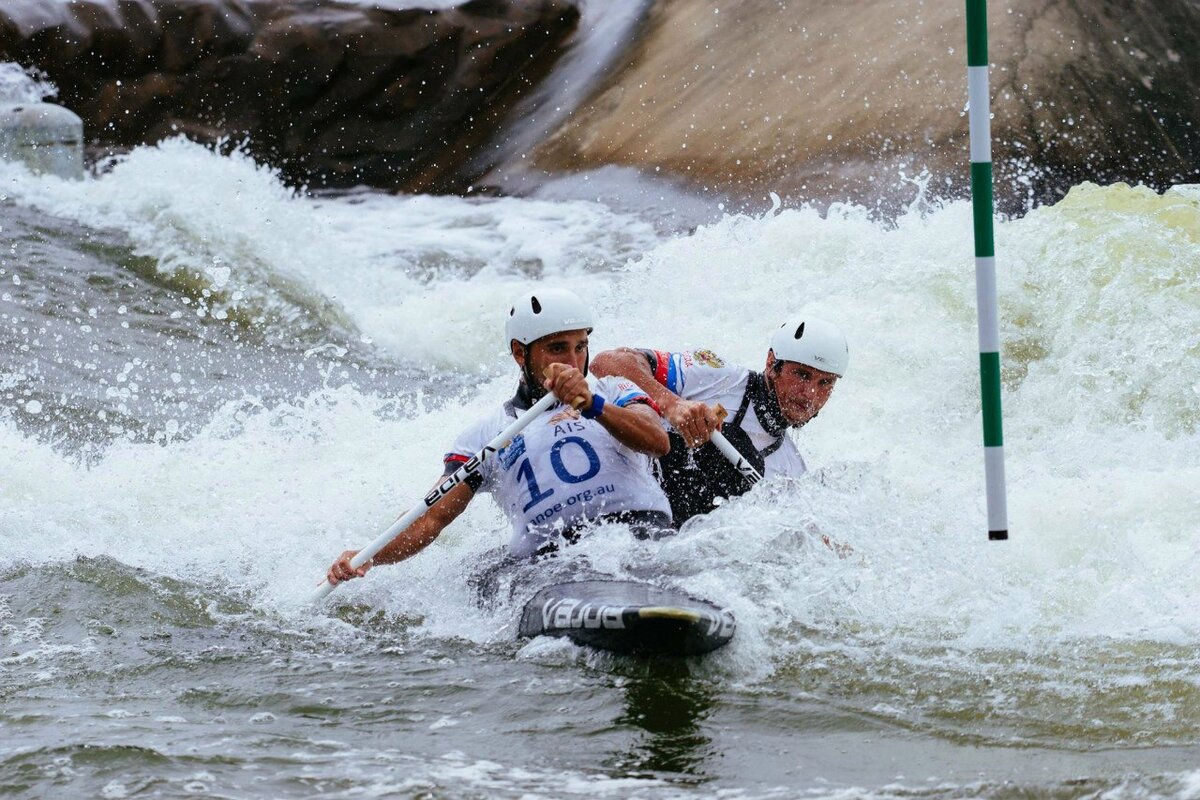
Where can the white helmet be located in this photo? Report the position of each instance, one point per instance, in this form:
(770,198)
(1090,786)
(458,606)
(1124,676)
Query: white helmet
(814,342)
(545,311)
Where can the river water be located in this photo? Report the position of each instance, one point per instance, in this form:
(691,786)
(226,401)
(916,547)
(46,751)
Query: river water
(211,384)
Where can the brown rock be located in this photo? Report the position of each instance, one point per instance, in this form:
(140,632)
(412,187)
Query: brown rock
(833,100)
(135,104)
(191,31)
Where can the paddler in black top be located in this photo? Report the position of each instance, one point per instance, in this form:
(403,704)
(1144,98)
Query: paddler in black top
(806,357)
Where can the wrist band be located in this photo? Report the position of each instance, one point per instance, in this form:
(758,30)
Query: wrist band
(595,409)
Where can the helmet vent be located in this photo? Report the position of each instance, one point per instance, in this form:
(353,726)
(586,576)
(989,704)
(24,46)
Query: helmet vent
(800,330)
(537,307)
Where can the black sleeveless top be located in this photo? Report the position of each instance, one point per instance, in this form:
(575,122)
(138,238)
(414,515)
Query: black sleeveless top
(694,479)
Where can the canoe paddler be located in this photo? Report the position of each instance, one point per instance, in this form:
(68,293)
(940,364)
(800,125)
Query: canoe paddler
(585,460)
(806,358)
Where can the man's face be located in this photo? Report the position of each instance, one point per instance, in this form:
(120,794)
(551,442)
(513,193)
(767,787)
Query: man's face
(567,347)
(801,390)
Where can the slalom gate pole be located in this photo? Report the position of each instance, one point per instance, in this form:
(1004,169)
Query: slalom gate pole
(979,100)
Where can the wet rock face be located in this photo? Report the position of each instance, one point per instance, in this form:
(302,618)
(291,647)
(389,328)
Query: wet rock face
(333,94)
(835,100)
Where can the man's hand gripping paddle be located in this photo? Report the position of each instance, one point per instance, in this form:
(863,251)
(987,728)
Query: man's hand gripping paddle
(434,497)
(472,466)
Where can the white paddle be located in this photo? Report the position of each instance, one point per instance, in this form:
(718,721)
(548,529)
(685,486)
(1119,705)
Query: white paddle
(737,459)
(730,452)
(461,474)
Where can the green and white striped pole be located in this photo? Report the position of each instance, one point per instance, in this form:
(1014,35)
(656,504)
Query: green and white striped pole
(979,104)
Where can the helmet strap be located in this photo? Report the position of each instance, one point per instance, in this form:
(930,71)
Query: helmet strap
(533,387)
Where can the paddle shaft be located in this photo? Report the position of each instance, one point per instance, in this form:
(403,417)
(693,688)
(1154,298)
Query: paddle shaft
(739,462)
(472,466)
(730,452)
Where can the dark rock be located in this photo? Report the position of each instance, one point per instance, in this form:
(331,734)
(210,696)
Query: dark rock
(331,94)
(192,31)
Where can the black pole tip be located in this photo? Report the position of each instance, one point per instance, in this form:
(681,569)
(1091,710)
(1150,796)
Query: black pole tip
(997,536)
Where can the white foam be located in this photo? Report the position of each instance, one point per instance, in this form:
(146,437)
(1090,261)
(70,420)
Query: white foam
(422,276)
(18,85)
(1098,314)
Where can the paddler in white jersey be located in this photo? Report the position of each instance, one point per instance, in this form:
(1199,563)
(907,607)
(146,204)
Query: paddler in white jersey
(805,360)
(587,459)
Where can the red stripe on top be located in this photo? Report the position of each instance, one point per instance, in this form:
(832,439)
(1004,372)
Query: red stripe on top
(456,458)
(646,399)
(664,363)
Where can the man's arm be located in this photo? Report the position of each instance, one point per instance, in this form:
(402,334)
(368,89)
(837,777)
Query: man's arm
(635,426)
(411,540)
(695,421)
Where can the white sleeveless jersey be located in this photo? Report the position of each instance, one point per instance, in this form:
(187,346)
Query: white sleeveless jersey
(562,469)
(702,376)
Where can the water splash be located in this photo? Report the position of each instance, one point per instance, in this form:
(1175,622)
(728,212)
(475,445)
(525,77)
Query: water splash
(1090,603)
(18,85)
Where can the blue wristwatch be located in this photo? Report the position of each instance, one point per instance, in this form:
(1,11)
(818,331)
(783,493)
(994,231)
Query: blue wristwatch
(595,409)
